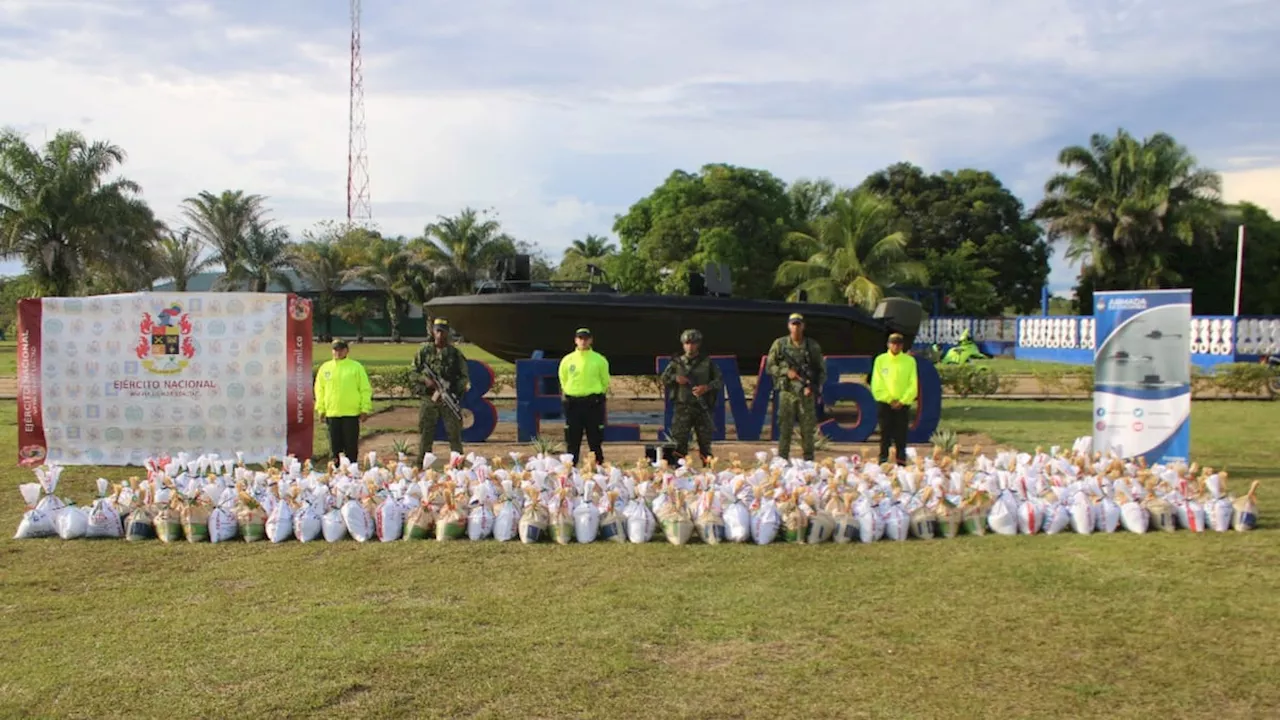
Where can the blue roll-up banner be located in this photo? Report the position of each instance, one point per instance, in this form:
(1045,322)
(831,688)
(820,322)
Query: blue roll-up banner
(1142,374)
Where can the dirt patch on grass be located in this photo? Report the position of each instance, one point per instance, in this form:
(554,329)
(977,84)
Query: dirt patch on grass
(710,657)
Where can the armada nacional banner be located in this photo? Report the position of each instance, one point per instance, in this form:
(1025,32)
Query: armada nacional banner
(1142,374)
(115,379)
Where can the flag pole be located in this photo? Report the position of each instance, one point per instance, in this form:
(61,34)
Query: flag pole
(1239,267)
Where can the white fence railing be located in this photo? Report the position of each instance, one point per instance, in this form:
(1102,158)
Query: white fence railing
(1210,335)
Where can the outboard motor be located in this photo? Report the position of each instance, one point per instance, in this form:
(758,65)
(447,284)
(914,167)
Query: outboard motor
(901,315)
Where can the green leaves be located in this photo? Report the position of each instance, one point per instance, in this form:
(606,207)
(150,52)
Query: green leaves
(1125,204)
(77,230)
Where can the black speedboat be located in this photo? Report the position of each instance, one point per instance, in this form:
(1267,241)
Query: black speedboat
(513,317)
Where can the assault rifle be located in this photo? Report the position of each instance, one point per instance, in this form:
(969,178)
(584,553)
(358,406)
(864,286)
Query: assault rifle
(697,400)
(442,392)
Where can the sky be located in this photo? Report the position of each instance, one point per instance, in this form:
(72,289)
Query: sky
(559,114)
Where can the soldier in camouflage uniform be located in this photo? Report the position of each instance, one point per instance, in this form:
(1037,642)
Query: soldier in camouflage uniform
(789,357)
(450,364)
(697,382)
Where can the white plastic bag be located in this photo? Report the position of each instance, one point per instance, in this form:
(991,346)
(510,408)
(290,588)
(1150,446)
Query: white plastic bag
(1003,516)
(358,520)
(506,522)
(586,522)
(333,526)
(71,522)
(35,523)
(280,522)
(737,523)
(765,522)
(480,522)
(1083,519)
(640,521)
(388,521)
(306,523)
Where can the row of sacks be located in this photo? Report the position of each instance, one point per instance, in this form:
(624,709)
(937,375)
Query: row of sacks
(544,498)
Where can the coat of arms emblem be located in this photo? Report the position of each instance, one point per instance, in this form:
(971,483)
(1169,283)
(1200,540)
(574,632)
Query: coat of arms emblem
(164,345)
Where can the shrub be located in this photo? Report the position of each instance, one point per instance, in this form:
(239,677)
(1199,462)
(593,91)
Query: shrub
(966,380)
(1242,378)
(393,382)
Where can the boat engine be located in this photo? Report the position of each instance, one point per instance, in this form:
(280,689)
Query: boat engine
(901,315)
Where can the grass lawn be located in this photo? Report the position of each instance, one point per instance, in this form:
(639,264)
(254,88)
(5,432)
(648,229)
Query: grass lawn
(1176,625)
(8,358)
(383,355)
(1012,366)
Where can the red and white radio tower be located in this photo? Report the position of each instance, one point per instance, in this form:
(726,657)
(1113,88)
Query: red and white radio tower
(359,209)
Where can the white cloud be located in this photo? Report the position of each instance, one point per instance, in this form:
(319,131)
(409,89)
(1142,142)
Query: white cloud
(561,113)
(1260,186)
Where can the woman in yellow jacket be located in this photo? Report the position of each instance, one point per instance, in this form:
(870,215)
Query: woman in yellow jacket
(344,398)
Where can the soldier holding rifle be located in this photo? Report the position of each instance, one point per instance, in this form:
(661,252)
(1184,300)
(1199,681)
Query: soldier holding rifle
(697,382)
(799,372)
(441,370)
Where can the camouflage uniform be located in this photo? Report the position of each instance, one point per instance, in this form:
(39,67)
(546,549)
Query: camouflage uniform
(450,364)
(783,355)
(687,417)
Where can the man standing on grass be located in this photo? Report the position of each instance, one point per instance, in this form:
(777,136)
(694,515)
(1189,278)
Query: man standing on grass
(450,365)
(344,399)
(697,382)
(799,371)
(584,380)
(894,384)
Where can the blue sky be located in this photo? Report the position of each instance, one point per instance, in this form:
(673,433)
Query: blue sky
(561,114)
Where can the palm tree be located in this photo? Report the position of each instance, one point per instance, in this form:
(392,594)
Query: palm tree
(388,267)
(856,255)
(71,226)
(460,248)
(223,222)
(322,265)
(1124,203)
(178,258)
(591,247)
(265,259)
(810,200)
(356,312)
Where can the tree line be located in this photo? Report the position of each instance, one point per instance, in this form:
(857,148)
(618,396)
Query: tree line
(1134,213)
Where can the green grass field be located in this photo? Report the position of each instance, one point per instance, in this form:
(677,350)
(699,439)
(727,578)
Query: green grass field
(1177,625)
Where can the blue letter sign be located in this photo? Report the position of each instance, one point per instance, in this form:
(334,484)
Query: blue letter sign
(749,419)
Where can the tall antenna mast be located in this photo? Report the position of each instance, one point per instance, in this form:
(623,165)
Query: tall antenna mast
(359,209)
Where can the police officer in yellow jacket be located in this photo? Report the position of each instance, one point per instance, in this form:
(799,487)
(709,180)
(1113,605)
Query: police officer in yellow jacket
(344,398)
(893,384)
(584,380)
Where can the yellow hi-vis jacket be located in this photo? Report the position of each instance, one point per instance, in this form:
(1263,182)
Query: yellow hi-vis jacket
(893,377)
(584,373)
(343,390)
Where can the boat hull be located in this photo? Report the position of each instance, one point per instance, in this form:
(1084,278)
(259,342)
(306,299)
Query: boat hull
(631,330)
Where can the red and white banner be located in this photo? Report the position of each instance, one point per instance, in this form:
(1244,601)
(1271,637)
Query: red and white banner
(115,379)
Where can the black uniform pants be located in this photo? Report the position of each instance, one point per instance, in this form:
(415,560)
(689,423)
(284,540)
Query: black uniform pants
(585,413)
(344,437)
(893,429)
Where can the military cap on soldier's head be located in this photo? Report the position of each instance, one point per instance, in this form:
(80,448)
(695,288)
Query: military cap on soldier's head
(440,322)
(690,336)
(795,318)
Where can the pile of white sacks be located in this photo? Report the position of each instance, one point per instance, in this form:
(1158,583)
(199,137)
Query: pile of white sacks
(542,498)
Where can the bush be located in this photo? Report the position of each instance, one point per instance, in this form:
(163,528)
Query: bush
(393,382)
(966,380)
(1242,378)
(1082,380)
